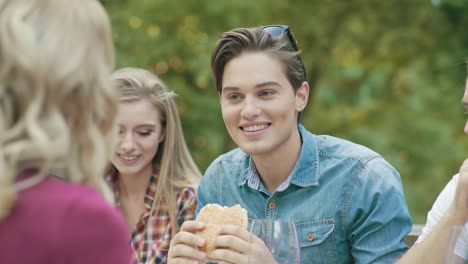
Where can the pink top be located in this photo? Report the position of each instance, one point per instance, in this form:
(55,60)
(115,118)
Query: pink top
(59,222)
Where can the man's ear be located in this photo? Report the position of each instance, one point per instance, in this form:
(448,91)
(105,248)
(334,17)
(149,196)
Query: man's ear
(302,96)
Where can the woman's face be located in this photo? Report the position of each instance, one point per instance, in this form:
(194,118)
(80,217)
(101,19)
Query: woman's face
(140,132)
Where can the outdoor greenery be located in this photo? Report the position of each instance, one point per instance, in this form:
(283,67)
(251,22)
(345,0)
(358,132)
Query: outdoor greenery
(385,74)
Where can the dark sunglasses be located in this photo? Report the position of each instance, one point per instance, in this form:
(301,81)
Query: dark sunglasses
(277,30)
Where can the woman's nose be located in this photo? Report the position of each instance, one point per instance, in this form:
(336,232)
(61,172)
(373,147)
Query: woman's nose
(127,142)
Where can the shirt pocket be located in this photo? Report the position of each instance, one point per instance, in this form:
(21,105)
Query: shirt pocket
(317,242)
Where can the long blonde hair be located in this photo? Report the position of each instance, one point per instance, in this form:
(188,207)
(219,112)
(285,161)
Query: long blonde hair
(177,168)
(57,107)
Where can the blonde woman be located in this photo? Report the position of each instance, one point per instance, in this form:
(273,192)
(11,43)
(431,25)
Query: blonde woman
(57,113)
(153,176)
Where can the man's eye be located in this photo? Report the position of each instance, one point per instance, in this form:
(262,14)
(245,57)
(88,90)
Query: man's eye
(266,93)
(233,97)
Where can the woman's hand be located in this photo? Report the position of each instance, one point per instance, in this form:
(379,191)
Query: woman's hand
(183,247)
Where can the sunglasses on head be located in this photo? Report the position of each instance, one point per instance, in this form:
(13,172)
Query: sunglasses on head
(277,30)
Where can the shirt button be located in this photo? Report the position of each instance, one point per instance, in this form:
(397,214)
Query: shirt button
(272,205)
(310,237)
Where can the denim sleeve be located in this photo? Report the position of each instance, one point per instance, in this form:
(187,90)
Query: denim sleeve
(206,192)
(200,198)
(200,201)
(378,219)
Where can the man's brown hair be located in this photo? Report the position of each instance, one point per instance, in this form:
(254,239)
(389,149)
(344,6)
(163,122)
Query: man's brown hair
(233,43)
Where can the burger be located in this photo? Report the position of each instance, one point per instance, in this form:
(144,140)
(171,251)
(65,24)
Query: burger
(214,216)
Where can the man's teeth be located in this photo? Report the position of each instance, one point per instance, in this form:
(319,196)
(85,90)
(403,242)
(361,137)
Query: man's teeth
(254,128)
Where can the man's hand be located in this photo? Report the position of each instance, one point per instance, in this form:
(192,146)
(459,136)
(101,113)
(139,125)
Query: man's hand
(235,244)
(183,247)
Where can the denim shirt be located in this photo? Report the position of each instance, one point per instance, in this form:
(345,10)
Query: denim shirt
(346,200)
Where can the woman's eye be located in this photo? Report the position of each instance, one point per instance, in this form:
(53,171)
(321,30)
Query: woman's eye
(144,133)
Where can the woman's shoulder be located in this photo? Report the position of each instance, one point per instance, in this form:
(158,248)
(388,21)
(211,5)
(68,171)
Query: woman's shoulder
(85,202)
(75,193)
(56,192)
(80,220)
(103,223)
(88,229)
(75,202)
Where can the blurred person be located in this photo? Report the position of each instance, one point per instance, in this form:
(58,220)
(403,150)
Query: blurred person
(346,200)
(449,209)
(57,125)
(153,175)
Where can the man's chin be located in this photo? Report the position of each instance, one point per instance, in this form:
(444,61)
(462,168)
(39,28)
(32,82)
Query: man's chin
(252,150)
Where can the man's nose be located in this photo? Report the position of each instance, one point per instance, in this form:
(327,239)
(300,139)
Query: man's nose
(251,108)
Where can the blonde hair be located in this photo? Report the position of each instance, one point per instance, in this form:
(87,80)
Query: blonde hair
(177,168)
(57,107)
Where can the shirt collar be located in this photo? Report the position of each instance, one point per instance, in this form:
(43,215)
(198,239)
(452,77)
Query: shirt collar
(305,172)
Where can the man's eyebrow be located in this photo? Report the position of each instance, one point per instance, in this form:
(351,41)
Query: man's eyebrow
(259,85)
(229,88)
(267,84)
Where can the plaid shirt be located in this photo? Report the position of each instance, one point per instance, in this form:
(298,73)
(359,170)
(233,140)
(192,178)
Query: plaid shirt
(151,246)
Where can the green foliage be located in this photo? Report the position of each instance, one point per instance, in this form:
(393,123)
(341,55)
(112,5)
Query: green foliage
(385,74)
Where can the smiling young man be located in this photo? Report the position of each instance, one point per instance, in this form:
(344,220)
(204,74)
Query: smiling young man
(346,200)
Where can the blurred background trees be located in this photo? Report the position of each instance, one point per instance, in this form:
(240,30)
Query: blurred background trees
(385,74)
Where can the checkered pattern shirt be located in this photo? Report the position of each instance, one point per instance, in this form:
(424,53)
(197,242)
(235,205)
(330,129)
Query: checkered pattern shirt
(151,245)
